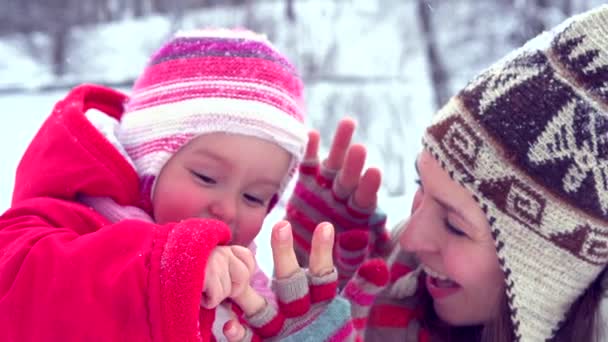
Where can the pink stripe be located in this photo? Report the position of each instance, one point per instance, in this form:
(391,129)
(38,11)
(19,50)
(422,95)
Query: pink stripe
(220,67)
(172,83)
(358,295)
(168,144)
(300,218)
(241,94)
(301,241)
(321,206)
(343,333)
(357,213)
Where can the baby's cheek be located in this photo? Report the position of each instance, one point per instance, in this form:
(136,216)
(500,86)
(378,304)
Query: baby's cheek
(172,208)
(249,228)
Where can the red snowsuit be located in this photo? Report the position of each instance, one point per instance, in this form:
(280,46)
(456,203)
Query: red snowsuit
(67,273)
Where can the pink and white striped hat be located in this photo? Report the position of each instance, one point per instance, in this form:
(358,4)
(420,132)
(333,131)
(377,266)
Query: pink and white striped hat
(206,81)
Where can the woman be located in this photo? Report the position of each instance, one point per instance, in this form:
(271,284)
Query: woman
(508,234)
(509,226)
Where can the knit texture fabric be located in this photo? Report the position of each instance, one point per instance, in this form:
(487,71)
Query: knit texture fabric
(360,232)
(206,81)
(309,308)
(529,138)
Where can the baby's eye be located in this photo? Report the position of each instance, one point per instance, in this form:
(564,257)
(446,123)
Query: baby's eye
(204,178)
(253,199)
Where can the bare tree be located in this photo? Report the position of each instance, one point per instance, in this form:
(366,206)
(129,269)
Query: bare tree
(290,11)
(438,73)
(567,7)
(531,13)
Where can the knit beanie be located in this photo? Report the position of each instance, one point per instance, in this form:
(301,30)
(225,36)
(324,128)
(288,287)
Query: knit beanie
(529,138)
(207,81)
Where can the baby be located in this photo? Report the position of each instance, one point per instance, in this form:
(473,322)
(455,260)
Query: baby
(126,209)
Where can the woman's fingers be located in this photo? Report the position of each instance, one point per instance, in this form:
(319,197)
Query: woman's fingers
(348,176)
(321,257)
(312,147)
(342,138)
(285,261)
(366,194)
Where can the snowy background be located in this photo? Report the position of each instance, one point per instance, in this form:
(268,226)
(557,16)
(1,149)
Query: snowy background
(388,63)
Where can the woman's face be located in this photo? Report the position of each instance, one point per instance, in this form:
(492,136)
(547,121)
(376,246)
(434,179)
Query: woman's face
(451,237)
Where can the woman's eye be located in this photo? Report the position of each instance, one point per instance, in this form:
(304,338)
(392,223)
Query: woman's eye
(418,182)
(204,178)
(453,229)
(253,199)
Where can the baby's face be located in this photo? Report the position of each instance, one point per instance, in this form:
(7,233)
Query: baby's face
(229,177)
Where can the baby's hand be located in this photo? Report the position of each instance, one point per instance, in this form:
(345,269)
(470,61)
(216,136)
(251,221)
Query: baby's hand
(227,274)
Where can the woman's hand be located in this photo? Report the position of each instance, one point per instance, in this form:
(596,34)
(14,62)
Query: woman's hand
(307,302)
(339,191)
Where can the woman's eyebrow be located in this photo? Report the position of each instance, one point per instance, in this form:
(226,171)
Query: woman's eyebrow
(444,204)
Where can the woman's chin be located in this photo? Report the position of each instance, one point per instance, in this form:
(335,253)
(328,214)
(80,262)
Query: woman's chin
(455,317)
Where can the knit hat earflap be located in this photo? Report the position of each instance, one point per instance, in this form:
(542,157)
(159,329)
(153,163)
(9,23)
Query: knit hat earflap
(529,139)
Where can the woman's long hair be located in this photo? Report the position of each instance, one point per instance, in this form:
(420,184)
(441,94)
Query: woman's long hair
(582,322)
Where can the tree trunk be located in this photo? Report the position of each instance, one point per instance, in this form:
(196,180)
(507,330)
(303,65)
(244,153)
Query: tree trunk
(438,73)
(138,8)
(59,49)
(567,7)
(290,11)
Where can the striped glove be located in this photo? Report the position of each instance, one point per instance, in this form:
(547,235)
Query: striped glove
(360,233)
(308,308)
(398,309)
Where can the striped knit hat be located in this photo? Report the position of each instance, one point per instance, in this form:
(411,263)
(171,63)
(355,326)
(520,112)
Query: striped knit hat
(207,81)
(529,138)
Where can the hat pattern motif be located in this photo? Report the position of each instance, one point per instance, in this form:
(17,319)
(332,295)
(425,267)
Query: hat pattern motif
(529,139)
(558,138)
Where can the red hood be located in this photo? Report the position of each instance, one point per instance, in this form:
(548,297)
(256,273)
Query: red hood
(68,156)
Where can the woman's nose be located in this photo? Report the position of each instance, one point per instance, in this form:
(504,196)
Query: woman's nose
(420,233)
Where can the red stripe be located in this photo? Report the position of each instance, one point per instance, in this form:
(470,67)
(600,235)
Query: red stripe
(319,293)
(295,215)
(300,241)
(357,213)
(336,198)
(398,270)
(424,336)
(342,334)
(353,262)
(358,295)
(309,169)
(360,322)
(295,308)
(324,182)
(391,316)
(323,207)
(273,327)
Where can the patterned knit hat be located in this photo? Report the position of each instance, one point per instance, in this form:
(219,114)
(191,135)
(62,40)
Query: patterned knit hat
(208,81)
(529,138)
